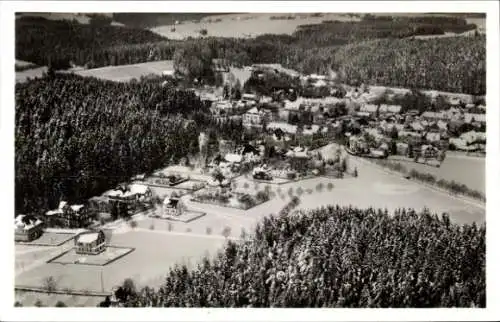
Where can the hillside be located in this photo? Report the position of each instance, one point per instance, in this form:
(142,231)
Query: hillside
(337,257)
(455,64)
(57,42)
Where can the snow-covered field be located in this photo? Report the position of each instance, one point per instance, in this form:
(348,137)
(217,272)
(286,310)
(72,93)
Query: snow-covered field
(242,25)
(125,73)
(462,169)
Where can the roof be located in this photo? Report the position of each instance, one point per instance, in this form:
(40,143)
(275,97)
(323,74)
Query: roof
(432,115)
(253,110)
(234,158)
(26,222)
(54,212)
(76,208)
(88,237)
(368,108)
(477,117)
(285,127)
(249,96)
(433,136)
(138,189)
(314,129)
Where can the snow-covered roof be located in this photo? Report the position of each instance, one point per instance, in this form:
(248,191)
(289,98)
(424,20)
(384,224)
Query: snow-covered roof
(249,96)
(434,115)
(433,136)
(233,158)
(76,208)
(369,108)
(87,238)
(139,189)
(285,127)
(472,136)
(477,117)
(54,212)
(314,129)
(320,83)
(253,110)
(19,222)
(417,126)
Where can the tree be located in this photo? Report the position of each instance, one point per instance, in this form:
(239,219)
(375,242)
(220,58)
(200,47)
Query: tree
(218,176)
(50,284)
(394,133)
(225,91)
(226,232)
(237,90)
(39,303)
(60,304)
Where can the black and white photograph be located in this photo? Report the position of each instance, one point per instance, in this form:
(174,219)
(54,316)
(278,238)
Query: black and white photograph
(309,158)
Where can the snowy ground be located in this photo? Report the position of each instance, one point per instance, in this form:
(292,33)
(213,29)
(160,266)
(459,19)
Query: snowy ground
(161,244)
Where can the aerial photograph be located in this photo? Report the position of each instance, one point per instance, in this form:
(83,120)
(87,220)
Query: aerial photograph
(250,160)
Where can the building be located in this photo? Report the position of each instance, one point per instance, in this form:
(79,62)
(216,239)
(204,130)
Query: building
(99,204)
(428,151)
(253,117)
(220,65)
(401,148)
(222,107)
(74,216)
(172,207)
(129,200)
(435,116)
(358,144)
(249,99)
(394,109)
(471,118)
(433,137)
(233,158)
(90,243)
(27,228)
(369,108)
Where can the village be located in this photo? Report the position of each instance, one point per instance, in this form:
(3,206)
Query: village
(297,133)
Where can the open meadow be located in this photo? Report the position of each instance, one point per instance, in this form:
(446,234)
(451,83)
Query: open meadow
(453,167)
(242,25)
(125,73)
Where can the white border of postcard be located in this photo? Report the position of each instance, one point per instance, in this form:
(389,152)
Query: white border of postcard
(9,313)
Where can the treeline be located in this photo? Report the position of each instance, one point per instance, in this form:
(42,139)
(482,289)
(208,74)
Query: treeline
(59,42)
(454,64)
(77,137)
(336,257)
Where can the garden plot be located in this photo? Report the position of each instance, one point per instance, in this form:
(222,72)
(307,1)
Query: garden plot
(147,265)
(109,255)
(51,239)
(229,198)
